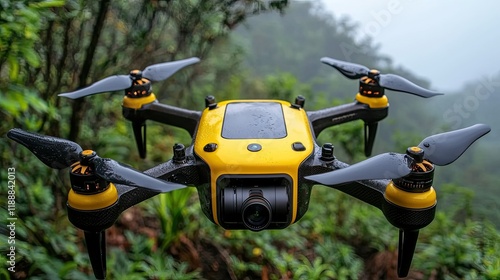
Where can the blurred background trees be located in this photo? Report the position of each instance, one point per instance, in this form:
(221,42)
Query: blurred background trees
(249,49)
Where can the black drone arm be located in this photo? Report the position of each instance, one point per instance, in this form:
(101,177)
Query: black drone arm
(185,171)
(369,191)
(162,113)
(328,117)
(166,114)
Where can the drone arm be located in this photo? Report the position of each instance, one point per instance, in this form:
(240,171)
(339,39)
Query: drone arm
(370,191)
(325,118)
(166,114)
(187,172)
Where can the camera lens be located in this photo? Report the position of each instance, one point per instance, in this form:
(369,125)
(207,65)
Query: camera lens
(256,213)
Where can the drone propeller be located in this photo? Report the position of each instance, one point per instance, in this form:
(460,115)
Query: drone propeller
(372,85)
(387,81)
(137,85)
(440,149)
(153,73)
(54,152)
(59,153)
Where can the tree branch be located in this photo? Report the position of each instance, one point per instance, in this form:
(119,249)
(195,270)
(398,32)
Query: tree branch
(87,63)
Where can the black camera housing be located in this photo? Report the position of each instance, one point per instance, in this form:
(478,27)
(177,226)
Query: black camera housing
(254,202)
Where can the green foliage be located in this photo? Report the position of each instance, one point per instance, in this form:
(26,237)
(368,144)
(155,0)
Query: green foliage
(348,138)
(341,259)
(316,269)
(142,261)
(165,267)
(171,209)
(19,31)
(23,107)
(285,86)
(451,250)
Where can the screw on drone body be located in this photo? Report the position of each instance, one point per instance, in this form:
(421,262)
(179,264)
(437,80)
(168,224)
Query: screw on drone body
(416,153)
(299,102)
(210,102)
(374,74)
(86,156)
(210,147)
(136,75)
(179,153)
(327,152)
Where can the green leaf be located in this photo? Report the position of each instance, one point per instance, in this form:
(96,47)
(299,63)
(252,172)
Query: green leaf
(31,57)
(31,15)
(48,4)
(14,68)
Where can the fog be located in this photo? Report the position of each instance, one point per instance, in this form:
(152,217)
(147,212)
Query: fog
(447,42)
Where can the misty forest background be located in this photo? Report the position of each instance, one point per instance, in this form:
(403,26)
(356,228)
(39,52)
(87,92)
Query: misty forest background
(248,49)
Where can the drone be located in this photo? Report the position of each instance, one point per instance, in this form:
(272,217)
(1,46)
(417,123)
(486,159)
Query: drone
(253,162)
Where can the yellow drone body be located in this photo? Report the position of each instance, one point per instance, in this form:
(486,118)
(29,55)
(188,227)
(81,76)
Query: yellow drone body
(254,138)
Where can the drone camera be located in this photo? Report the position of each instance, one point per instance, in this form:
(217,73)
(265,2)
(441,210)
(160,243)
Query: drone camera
(254,203)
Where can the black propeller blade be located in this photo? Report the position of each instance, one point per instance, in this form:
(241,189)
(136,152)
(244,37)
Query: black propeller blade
(161,71)
(444,148)
(117,173)
(384,166)
(440,149)
(96,246)
(154,73)
(112,83)
(387,81)
(398,83)
(54,152)
(60,153)
(348,69)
